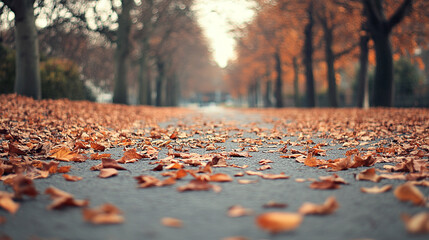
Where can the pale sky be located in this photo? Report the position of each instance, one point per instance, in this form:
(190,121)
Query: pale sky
(215,17)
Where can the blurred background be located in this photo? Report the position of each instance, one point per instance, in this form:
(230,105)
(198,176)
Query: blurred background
(244,53)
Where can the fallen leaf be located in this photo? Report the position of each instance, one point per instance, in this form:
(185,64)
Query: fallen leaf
(111,163)
(23,185)
(416,224)
(107,172)
(273,204)
(274,176)
(253,173)
(328,207)
(246,181)
(409,192)
(324,185)
(220,177)
(276,222)
(72,178)
(376,189)
(369,175)
(7,203)
(264,167)
(64,169)
(239,211)
(62,199)
(196,185)
(239,154)
(97,156)
(104,214)
(172,222)
(130,155)
(97,147)
(64,154)
(265,161)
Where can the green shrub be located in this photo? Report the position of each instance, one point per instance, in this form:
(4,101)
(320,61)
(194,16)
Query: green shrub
(61,79)
(7,69)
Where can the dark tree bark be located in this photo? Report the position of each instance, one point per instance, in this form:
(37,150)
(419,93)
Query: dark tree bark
(268,93)
(121,55)
(160,82)
(278,92)
(381,28)
(295,81)
(142,75)
(27,81)
(362,90)
(308,58)
(330,59)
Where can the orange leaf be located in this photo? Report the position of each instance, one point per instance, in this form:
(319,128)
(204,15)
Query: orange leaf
(239,211)
(62,199)
(64,154)
(376,189)
(328,207)
(172,222)
(72,178)
(97,156)
(104,214)
(64,169)
(275,222)
(97,147)
(418,223)
(130,156)
(369,175)
(107,172)
(7,203)
(220,177)
(324,185)
(274,176)
(409,192)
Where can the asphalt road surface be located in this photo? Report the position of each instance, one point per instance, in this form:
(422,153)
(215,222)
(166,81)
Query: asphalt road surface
(204,213)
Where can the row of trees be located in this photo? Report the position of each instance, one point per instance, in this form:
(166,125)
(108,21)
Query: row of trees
(152,48)
(293,41)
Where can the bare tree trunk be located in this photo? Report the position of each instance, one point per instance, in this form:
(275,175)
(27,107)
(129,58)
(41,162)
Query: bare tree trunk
(362,91)
(330,58)
(142,77)
(160,83)
(295,81)
(268,93)
(27,80)
(121,55)
(308,58)
(278,92)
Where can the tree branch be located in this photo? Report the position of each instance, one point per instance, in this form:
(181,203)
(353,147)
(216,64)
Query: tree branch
(399,14)
(346,51)
(373,13)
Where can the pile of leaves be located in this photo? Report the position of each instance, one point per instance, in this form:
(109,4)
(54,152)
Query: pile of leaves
(36,136)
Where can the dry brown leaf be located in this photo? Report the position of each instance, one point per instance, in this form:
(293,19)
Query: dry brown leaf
(265,161)
(376,189)
(107,172)
(239,154)
(369,175)
(239,211)
(64,154)
(246,181)
(72,178)
(174,166)
(409,192)
(97,156)
(62,199)
(239,174)
(172,222)
(274,176)
(276,222)
(97,147)
(104,214)
(111,163)
(130,155)
(64,169)
(7,203)
(220,177)
(324,185)
(198,185)
(264,167)
(416,224)
(273,204)
(23,185)
(328,207)
(253,173)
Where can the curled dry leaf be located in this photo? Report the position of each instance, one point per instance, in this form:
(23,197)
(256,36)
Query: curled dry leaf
(172,222)
(111,163)
(23,185)
(409,192)
(246,181)
(220,177)
(274,176)
(376,189)
(64,169)
(324,185)
(130,156)
(265,161)
(328,207)
(416,224)
(198,185)
(64,154)
(72,178)
(104,214)
(107,172)
(239,154)
(276,222)
(239,174)
(97,156)
(97,147)
(7,203)
(239,211)
(62,199)
(369,175)
(264,167)
(273,204)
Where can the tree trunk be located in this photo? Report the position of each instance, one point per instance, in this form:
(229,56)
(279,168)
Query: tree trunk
(160,83)
(329,57)
(362,91)
(383,85)
(142,77)
(268,93)
(308,59)
(27,80)
(278,92)
(295,81)
(121,55)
